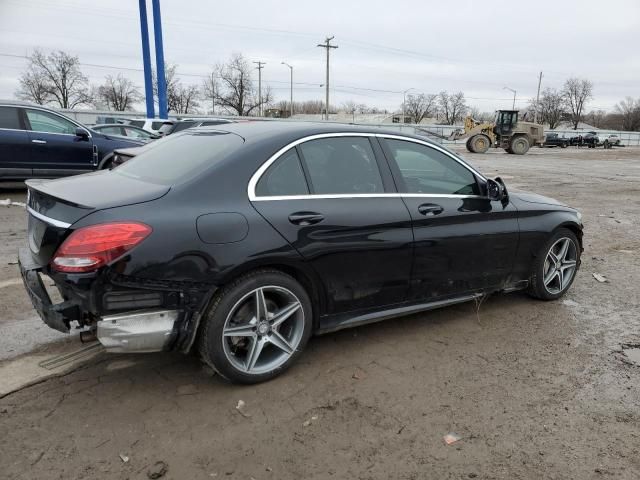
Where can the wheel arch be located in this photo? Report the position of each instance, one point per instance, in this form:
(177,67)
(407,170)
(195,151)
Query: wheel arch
(104,160)
(300,271)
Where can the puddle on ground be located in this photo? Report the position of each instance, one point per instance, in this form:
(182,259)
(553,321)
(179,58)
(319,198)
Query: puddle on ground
(632,352)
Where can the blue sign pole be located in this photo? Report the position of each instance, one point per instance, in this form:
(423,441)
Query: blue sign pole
(162,83)
(146,60)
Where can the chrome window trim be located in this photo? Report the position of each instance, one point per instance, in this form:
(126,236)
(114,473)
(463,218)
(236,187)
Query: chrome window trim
(49,220)
(255,178)
(362,195)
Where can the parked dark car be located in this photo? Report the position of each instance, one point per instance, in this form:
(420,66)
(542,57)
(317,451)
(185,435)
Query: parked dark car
(244,241)
(553,140)
(38,142)
(127,131)
(590,139)
(180,125)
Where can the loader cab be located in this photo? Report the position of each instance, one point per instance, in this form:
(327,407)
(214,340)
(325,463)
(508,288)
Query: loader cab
(506,121)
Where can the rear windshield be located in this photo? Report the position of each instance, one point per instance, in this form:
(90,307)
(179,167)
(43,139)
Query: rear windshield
(175,159)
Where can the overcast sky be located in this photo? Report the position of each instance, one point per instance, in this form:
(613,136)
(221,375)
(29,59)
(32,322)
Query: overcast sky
(384,47)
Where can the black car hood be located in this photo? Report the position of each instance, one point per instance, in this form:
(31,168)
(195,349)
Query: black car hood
(535,198)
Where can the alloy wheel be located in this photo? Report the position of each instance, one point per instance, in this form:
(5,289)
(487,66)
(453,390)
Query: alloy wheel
(560,265)
(263,329)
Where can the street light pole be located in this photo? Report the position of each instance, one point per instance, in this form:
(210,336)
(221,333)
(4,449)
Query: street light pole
(291,93)
(404,100)
(514,96)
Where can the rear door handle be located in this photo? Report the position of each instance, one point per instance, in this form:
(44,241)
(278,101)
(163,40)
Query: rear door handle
(305,218)
(430,209)
(38,141)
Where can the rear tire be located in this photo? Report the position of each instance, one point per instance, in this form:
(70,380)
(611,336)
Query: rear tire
(256,327)
(519,145)
(545,282)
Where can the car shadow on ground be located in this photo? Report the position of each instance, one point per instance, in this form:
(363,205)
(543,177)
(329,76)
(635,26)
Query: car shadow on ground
(116,375)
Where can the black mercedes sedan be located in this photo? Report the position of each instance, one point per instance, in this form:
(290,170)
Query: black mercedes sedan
(243,240)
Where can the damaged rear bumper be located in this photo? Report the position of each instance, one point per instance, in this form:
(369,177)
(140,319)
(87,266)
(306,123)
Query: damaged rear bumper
(56,316)
(128,315)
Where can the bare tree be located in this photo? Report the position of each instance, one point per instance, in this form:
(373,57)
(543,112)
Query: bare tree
(551,107)
(55,77)
(452,106)
(119,93)
(479,116)
(185,99)
(577,93)
(629,109)
(596,118)
(33,87)
(237,93)
(421,106)
(210,86)
(180,98)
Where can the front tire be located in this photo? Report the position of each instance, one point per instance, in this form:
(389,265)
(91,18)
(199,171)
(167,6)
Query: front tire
(479,143)
(256,327)
(555,267)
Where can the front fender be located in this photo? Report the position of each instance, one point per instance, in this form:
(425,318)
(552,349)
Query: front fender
(536,226)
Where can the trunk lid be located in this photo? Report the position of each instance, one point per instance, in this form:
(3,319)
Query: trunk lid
(55,205)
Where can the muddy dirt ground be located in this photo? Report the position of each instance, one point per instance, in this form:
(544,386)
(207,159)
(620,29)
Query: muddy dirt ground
(535,389)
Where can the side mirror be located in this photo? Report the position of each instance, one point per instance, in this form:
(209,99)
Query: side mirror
(496,190)
(493,190)
(82,133)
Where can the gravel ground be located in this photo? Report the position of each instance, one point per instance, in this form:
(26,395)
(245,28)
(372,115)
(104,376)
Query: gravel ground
(534,389)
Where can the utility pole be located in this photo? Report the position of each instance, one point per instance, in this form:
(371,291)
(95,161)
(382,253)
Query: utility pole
(327,45)
(514,96)
(404,100)
(291,100)
(260,67)
(212,81)
(535,115)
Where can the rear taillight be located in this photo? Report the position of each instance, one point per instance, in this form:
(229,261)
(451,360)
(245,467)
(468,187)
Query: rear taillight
(89,248)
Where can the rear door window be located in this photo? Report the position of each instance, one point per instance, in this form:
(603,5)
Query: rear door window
(9,118)
(342,165)
(284,177)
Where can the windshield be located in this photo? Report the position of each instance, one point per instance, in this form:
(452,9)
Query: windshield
(181,156)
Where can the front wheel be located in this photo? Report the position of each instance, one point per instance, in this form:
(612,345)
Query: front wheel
(256,327)
(555,267)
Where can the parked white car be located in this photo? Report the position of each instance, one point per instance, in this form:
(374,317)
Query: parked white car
(610,140)
(150,124)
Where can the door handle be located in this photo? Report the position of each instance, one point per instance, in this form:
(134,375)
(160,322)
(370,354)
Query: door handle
(430,209)
(42,142)
(305,218)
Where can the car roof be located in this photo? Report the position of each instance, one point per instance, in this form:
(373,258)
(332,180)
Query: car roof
(19,103)
(285,129)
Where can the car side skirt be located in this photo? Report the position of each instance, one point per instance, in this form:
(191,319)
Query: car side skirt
(396,311)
